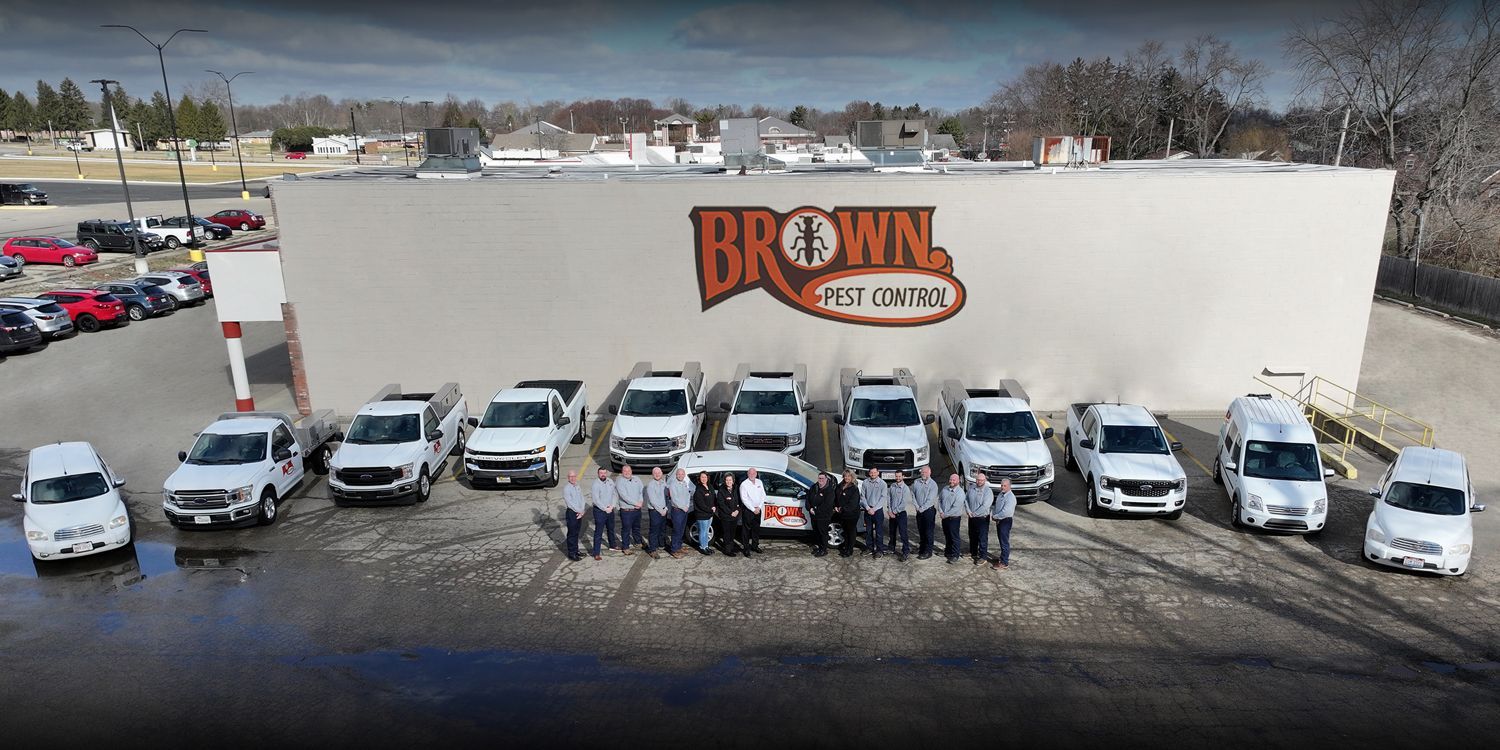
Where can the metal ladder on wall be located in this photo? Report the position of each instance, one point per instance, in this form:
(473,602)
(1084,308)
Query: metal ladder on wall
(1343,418)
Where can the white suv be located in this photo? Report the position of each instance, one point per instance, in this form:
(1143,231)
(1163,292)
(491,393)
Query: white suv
(1268,462)
(1423,519)
(73,505)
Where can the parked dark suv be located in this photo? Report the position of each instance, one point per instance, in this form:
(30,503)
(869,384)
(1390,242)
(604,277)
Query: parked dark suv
(23,193)
(17,332)
(99,234)
(142,300)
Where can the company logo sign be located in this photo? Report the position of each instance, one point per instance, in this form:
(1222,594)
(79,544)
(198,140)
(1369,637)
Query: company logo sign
(783,515)
(870,266)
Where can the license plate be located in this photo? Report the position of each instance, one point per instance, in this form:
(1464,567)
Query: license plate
(1413,562)
(83,546)
(201,519)
(502,480)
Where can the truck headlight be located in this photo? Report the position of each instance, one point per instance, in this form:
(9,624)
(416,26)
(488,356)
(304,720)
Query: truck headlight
(1106,483)
(36,536)
(1321,506)
(241,494)
(1047,471)
(407,472)
(855,454)
(118,521)
(679,442)
(1460,549)
(1375,535)
(922,454)
(731,439)
(616,443)
(539,451)
(1255,503)
(794,439)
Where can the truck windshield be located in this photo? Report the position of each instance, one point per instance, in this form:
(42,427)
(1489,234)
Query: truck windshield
(228,449)
(653,404)
(69,488)
(1295,461)
(766,402)
(1133,439)
(1002,427)
(1425,498)
(884,412)
(381,429)
(515,415)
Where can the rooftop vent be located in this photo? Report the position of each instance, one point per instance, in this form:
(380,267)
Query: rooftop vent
(452,153)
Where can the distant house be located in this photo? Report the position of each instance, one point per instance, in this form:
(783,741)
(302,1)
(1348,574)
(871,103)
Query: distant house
(541,126)
(339,145)
(256,136)
(941,141)
(675,129)
(108,140)
(778,131)
(544,146)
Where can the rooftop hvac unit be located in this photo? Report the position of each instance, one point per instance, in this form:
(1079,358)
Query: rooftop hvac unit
(453,141)
(1070,150)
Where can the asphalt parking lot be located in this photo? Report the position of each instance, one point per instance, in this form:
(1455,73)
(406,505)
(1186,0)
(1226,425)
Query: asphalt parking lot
(461,620)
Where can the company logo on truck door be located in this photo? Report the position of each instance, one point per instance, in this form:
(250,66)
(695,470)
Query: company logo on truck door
(872,266)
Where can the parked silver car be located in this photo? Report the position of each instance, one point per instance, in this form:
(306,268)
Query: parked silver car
(50,318)
(185,290)
(9,267)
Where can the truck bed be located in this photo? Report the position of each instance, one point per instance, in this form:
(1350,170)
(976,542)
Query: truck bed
(565,388)
(443,400)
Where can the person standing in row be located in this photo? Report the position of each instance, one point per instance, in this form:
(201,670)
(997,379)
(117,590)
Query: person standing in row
(680,493)
(605,499)
(821,501)
(847,509)
(900,500)
(978,501)
(951,508)
(703,512)
(873,498)
(924,499)
(632,495)
(752,501)
(1004,512)
(727,505)
(656,512)
(573,514)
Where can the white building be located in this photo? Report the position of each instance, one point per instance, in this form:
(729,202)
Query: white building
(338,145)
(108,140)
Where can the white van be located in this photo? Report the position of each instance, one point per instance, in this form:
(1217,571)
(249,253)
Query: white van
(73,504)
(1423,519)
(1268,462)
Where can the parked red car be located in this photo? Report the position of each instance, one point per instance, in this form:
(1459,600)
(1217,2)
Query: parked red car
(90,309)
(48,250)
(239,218)
(296,155)
(201,274)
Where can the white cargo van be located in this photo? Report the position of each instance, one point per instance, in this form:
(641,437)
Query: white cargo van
(1267,460)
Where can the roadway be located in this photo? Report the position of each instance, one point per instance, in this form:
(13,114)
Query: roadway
(90,193)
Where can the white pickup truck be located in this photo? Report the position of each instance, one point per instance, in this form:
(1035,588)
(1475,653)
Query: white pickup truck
(659,418)
(175,237)
(244,465)
(880,426)
(524,431)
(1125,459)
(994,430)
(397,443)
(769,411)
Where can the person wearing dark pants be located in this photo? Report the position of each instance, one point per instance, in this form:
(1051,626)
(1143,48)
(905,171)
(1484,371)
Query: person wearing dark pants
(821,500)
(656,512)
(900,501)
(924,493)
(680,495)
(752,502)
(632,496)
(847,511)
(604,499)
(1003,513)
(727,502)
(703,512)
(978,502)
(573,514)
(951,510)
(873,498)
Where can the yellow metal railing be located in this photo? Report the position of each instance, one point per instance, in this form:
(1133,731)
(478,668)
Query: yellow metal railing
(1325,403)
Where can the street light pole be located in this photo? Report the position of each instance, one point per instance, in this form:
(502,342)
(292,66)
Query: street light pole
(406,152)
(238,154)
(114,123)
(354,135)
(426,123)
(194,253)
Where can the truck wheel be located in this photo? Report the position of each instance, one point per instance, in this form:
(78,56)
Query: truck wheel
(268,511)
(1234,513)
(90,244)
(318,461)
(87,323)
(692,535)
(244,226)
(1068,462)
(69,261)
(19,259)
(578,435)
(458,447)
(552,475)
(424,486)
(136,312)
(172,242)
(1218,477)
(1092,500)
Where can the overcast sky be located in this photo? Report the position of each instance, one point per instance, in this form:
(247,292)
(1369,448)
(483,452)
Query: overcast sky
(949,54)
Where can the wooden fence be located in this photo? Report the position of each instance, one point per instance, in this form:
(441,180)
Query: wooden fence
(1456,292)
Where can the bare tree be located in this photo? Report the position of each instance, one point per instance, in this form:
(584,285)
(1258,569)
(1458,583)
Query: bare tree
(1216,83)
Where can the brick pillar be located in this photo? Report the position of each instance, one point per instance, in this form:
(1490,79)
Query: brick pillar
(294,353)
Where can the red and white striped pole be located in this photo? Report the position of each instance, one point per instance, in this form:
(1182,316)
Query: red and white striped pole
(242,400)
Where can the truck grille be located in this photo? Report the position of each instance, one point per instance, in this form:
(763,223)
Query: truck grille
(647,446)
(505,461)
(1286,524)
(888,459)
(1016,474)
(78,532)
(1286,510)
(370,477)
(1412,545)
(1145,488)
(763,442)
(201,499)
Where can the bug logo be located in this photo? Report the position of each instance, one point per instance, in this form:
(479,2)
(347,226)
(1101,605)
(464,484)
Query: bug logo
(869,266)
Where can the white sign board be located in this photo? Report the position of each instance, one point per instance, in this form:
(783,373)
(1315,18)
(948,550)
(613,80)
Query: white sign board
(247,283)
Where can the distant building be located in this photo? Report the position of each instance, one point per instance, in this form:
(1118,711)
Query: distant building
(542,126)
(774,130)
(340,145)
(108,140)
(546,145)
(256,136)
(675,129)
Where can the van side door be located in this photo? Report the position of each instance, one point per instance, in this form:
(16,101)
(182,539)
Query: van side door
(786,503)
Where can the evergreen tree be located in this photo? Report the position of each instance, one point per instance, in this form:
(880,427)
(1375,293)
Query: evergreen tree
(4,110)
(211,125)
(72,107)
(798,116)
(20,115)
(453,117)
(187,119)
(122,106)
(954,127)
(46,106)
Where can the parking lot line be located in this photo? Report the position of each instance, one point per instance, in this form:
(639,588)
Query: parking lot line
(827,454)
(593,447)
(1055,438)
(713,437)
(1189,453)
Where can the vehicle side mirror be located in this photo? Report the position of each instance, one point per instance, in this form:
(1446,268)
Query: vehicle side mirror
(473,421)
(18,497)
(337,436)
(929,419)
(1047,434)
(563,421)
(1476,508)
(1328,473)
(699,408)
(614,409)
(1374,492)
(1174,446)
(838,419)
(807,406)
(724,405)
(434,436)
(955,433)
(1231,466)
(281,454)
(1086,444)
(119,482)
(181,456)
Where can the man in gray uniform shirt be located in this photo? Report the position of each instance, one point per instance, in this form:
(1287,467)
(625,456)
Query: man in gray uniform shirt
(656,511)
(573,514)
(632,495)
(952,510)
(978,501)
(1004,513)
(680,493)
(873,497)
(605,498)
(924,499)
(898,502)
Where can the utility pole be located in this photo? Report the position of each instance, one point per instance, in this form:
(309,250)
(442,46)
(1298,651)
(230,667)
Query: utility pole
(406,152)
(114,121)
(989,119)
(354,137)
(1171,126)
(1339,158)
